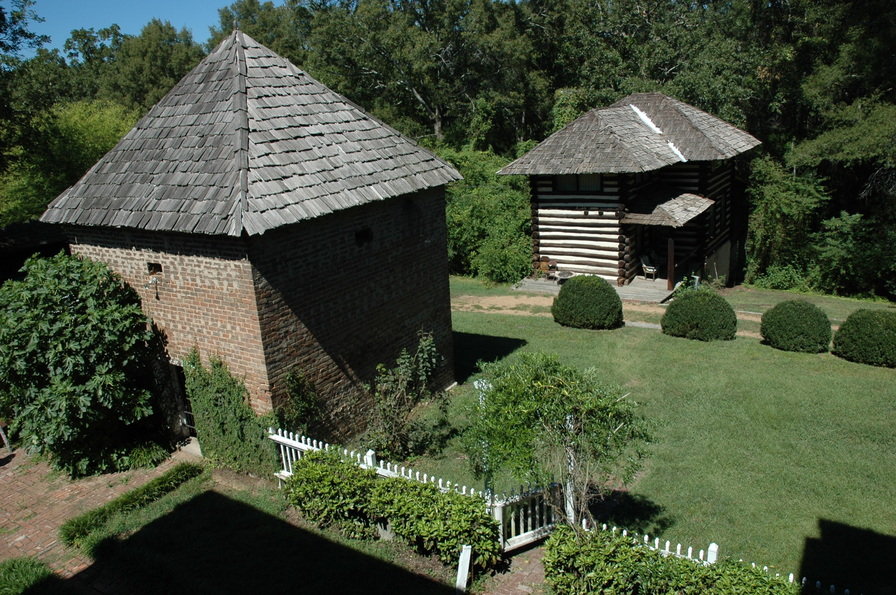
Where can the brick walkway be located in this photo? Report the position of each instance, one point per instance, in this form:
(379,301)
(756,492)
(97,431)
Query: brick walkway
(35,501)
(526,575)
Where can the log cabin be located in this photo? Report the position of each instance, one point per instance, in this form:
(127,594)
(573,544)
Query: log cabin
(647,182)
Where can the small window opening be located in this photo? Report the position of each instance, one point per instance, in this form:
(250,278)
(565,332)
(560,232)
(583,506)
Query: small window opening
(363,236)
(154,268)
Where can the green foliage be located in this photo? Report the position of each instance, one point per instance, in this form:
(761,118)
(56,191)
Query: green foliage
(786,276)
(76,530)
(534,412)
(488,218)
(396,391)
(230,433)
(23,575)
(868,337)
(588,302)
(856,254)
(606,562)
(797,325)
(785,206)
(330,491)
(436,522)
(700,314)
(302,405)
(74,355)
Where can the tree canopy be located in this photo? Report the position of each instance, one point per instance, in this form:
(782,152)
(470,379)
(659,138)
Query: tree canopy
(812,80)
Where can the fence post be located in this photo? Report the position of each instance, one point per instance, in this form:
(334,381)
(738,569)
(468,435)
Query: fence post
(498,514)
(463,569)
(370,459)
(712,554)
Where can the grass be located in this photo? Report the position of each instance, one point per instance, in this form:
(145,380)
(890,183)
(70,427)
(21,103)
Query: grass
(767,453)
(748,299)
(19,575)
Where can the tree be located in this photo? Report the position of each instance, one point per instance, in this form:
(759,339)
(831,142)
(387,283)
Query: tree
(74,356)
(14,32)
(539,419)
(147,66)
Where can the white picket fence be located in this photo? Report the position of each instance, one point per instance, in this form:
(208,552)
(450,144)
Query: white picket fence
(524,516)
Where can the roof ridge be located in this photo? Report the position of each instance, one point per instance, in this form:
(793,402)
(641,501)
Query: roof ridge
(241,107)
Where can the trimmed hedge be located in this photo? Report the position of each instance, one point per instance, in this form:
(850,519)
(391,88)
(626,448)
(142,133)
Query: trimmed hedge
(588,302)
(700,314)
(331,491)
(76,529)
(797,325)
(604,562)
(868,337)
(435,522)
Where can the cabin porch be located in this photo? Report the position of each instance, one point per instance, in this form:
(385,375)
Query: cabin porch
(639,290)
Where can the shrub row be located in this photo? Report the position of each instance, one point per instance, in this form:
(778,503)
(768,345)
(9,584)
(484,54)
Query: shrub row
(331,491)
(700,314)
(588,302)
(603,562)
(76,529)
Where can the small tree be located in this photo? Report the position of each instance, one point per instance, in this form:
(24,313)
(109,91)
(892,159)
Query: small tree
(540,419)
(74,362)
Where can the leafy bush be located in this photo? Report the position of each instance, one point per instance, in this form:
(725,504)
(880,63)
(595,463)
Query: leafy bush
(783,277)
(796,325)
(75,530)
(396,391)
(700,314)
(436,522)
(604,562)
(230,433)
(488,218)
(868,337)
(588,302)
(24,575)
(331,491)
(74,355)
(302,404)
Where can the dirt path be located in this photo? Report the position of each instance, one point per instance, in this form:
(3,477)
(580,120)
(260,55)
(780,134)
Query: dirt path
(539,305)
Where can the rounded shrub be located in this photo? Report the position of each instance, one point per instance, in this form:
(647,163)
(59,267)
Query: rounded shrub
(700,314)
(868,337)
(588,302)
(796,325)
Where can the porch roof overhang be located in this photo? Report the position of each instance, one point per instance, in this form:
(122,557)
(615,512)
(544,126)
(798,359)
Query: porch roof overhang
(666,207)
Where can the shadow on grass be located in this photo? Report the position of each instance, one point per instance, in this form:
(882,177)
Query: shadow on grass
(470,348)
(633,512)
(851,558)
(214,544)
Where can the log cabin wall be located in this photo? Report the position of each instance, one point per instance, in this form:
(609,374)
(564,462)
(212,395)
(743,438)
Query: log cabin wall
(575,222)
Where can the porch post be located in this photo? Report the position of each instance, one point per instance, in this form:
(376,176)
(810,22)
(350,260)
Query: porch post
(670,263)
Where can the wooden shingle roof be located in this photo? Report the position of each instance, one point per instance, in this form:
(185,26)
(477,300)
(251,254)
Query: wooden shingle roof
(245,143)
(642,132)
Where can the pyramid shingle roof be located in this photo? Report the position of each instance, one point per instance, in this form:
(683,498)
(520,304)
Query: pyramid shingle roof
(642,132)
(245,143)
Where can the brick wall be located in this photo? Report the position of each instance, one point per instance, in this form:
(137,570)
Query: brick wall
(204,296)
(332,296)
(340,294)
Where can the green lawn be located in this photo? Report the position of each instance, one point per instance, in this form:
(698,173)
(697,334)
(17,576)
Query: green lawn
(748,299)
(754,447)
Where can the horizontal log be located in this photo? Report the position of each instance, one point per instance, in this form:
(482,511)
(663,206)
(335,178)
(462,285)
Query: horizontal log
(578,212)
(550,225)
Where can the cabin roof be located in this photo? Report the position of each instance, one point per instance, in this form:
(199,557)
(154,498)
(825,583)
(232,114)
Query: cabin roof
(245,143)
(641,132)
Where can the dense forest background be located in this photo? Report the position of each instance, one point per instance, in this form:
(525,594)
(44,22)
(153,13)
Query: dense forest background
(480,81)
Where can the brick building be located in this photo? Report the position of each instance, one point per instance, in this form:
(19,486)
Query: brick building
(267,220)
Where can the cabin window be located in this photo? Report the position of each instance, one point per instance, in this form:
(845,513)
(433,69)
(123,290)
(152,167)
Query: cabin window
(589,183)
(154,268)
(584,183)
